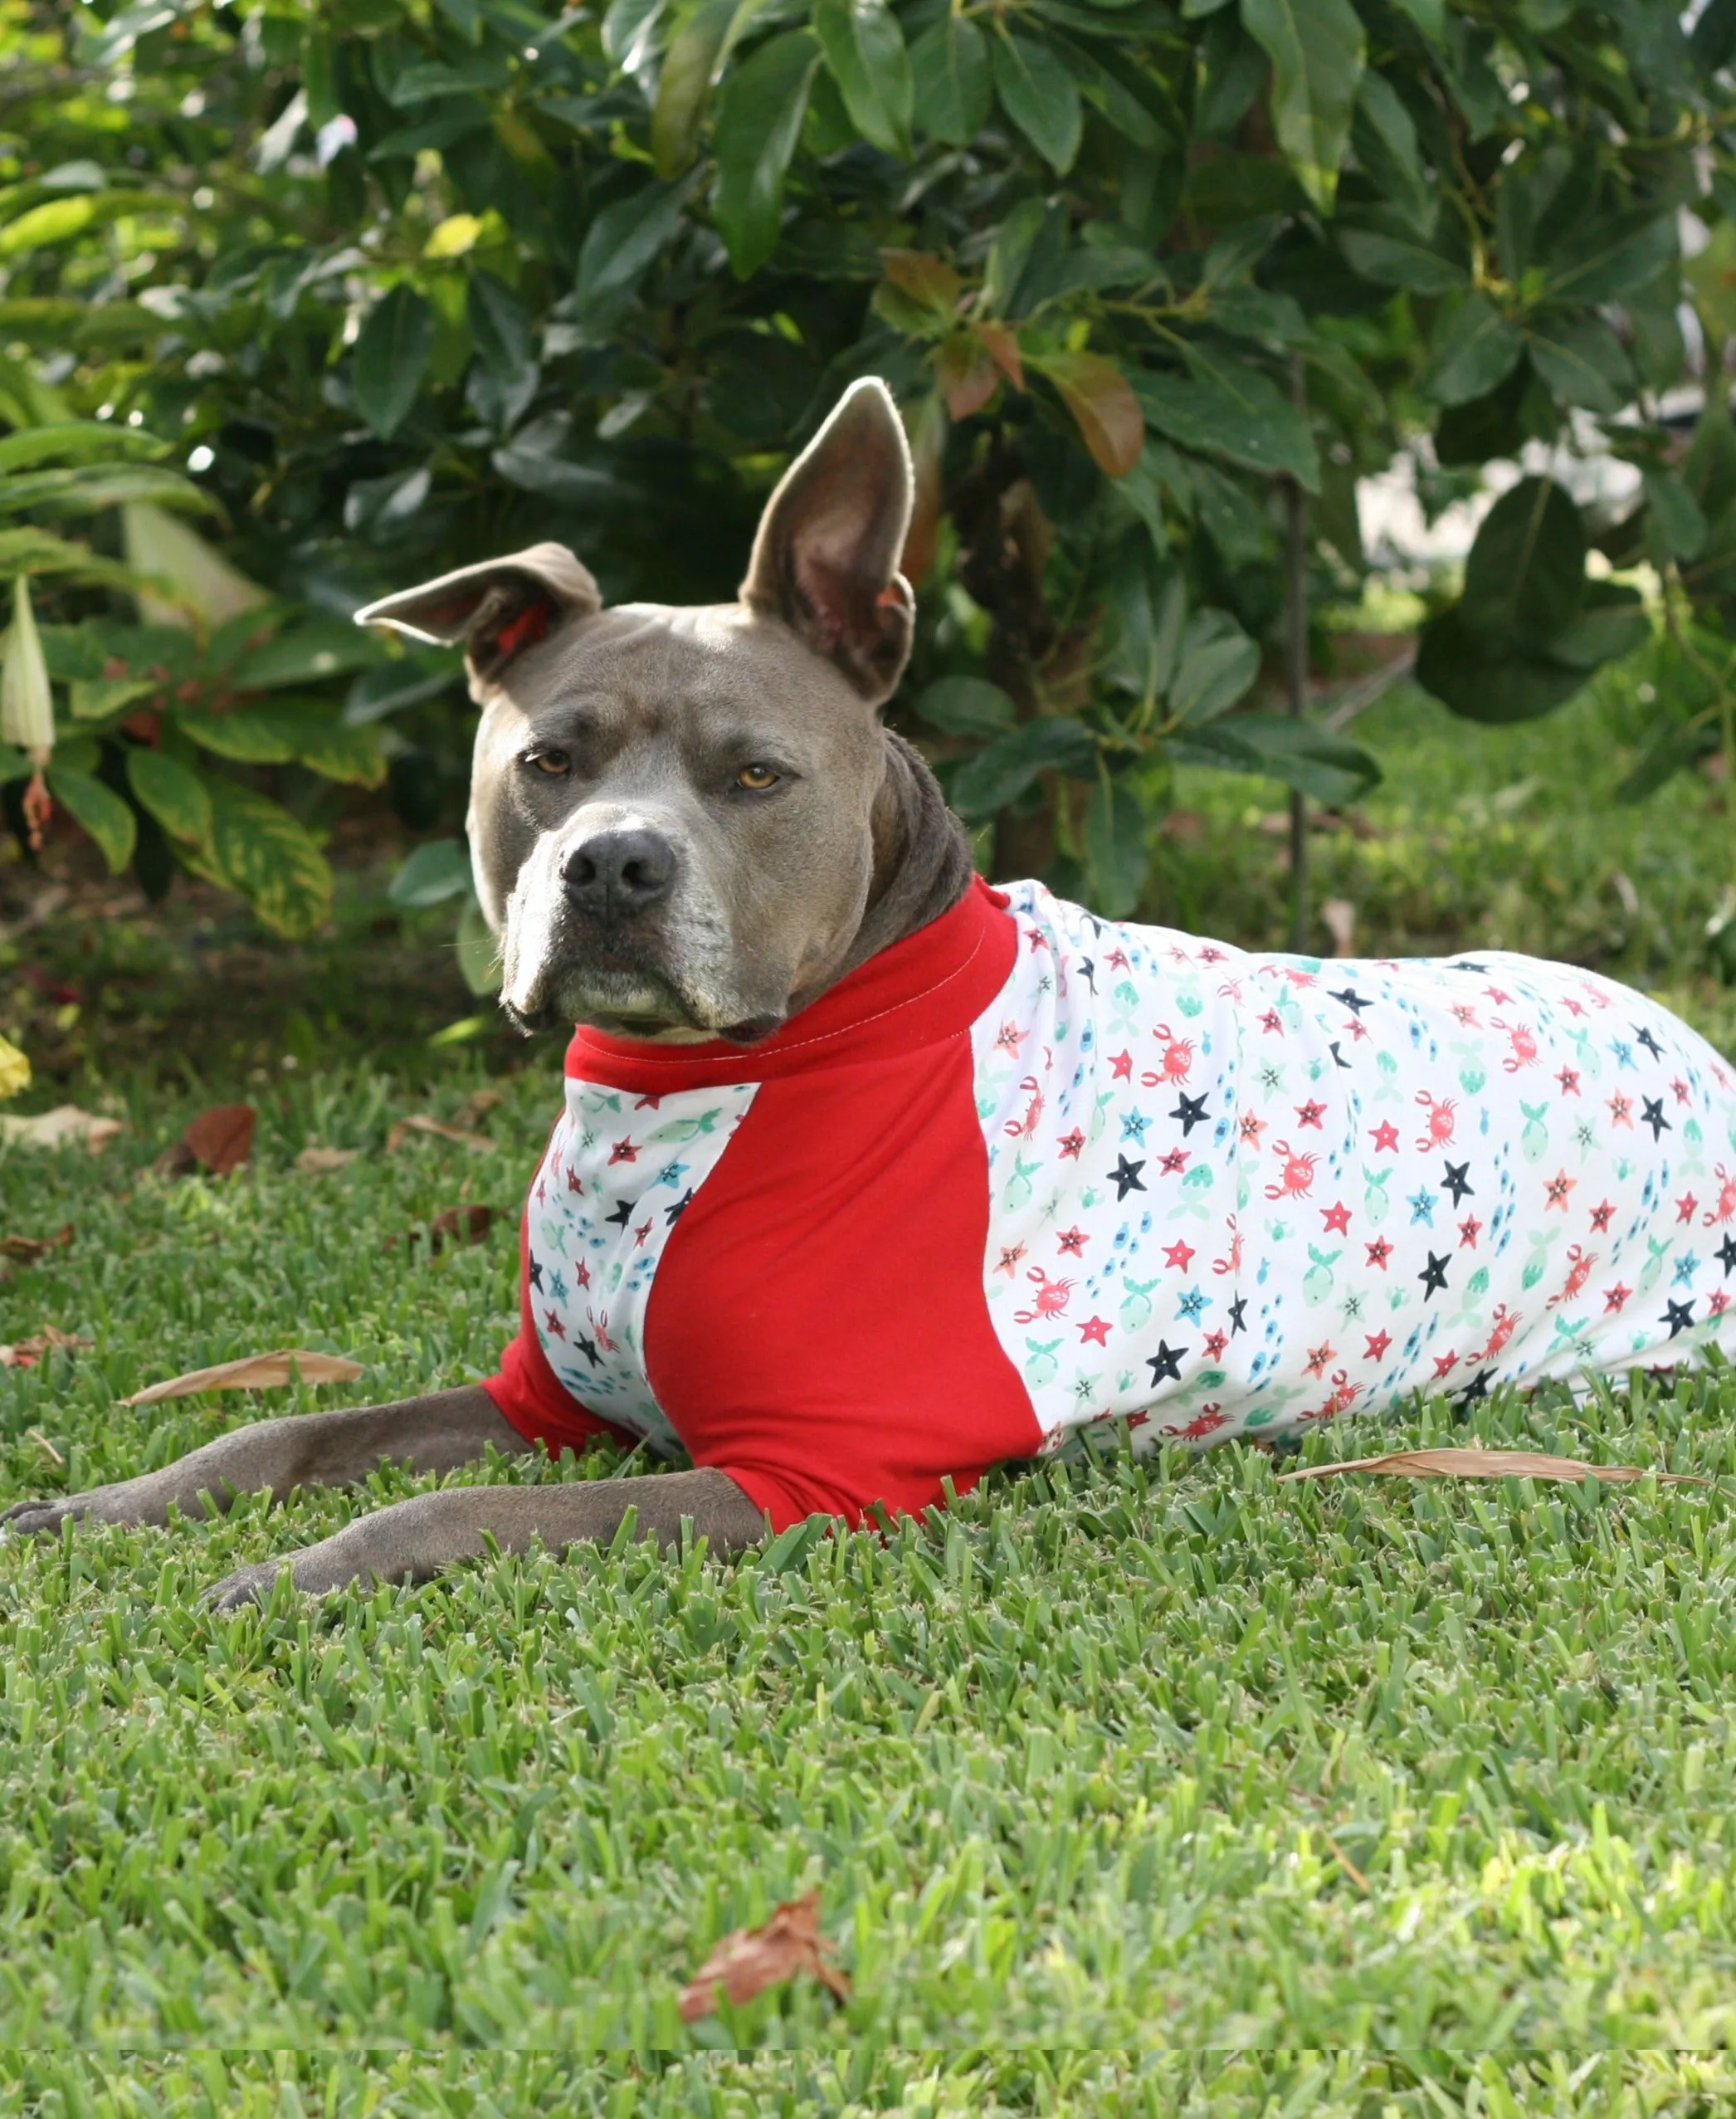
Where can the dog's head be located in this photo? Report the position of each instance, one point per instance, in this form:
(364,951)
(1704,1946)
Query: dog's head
(671,817)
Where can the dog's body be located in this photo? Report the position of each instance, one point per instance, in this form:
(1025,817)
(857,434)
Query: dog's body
(869,1178)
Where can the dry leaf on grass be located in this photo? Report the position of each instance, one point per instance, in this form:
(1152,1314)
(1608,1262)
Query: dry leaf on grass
(1339,915)
(747,1960)
(478,1104)
(27,1353)
(64,1122)
(256,1372)
(26,1250)
(316,1162)
(1492,1464)
(468,1224)
(420,1122)
(218,1141)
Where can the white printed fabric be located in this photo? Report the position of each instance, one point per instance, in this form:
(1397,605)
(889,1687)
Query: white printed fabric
(1232,1192)
(619,1172)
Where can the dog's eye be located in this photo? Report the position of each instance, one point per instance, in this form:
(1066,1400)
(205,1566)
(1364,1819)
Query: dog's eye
(552,762)
(756,778)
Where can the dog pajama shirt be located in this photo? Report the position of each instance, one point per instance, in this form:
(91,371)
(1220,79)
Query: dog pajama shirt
(1026,1171)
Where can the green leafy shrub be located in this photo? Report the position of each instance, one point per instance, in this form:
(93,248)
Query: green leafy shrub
(1154,285)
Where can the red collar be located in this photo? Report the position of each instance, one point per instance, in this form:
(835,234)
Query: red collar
(932,985)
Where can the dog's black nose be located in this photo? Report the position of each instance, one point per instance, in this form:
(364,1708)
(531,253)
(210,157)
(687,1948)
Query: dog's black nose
(619,873)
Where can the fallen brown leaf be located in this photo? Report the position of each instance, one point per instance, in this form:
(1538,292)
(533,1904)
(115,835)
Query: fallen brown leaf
(1492,1464)
(747,1960)
(26,1250)
(316,1162)
(64,1122)
(217,1141)
(420,1122)
(478,1104)
(470,1223)
(256,1372)
(27,1353)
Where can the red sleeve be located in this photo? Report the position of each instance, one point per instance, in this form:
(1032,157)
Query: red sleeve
(818,1329)
(529,1395)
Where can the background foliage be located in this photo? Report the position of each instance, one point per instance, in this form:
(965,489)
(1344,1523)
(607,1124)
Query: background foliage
(406,286)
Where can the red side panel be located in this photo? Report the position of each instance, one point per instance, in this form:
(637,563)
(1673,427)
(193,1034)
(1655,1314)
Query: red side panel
(817,1328)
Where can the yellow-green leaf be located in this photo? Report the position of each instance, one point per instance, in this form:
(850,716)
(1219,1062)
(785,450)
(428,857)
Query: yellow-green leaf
(99,810)
(173,792)
(260,850)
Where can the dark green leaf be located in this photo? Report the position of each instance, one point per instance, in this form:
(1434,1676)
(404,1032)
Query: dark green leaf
(759,122)
(391,358)
(320,649)
(1116,831)
(1386,245)
(621,242)
(949,66)
(172,793)
(864,52)
(1524,580)
(1675,513)
(1303,756)
(432,873)
(966,706)
(1317,51)
(1217,664)
(1475,347)
(1582,361)
(1232,410)
(99,810)
(1454,662)
(1611,256)
(1611,623)
(1384,135)
(1002,773)
(1673,747)
(1038,94)
(684,88)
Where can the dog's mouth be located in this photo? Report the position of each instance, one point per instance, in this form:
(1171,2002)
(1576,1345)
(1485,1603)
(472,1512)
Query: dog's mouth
(632,1001)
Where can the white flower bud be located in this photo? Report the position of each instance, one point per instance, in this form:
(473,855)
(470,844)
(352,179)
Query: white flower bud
(27,705)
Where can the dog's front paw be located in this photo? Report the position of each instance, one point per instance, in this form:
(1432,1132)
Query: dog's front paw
(30,1519)
(250,1585)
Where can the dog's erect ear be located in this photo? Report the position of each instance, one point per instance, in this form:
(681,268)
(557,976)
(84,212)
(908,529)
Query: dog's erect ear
(497,609)
(825,557)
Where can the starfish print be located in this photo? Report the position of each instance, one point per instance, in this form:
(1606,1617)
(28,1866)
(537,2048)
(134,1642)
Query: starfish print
(1272,1021)
(1643,1036)
(1555,1191)
(1311,1114)
(1009,1260)
(1433,1275)
(1072,1144)
(1072,1242)
(1569,1082)
(1121,1066)
(1684,1207)
(1171,1165)
(1167,1361)
(1652,1115)
(1678,1317)
(1457,1181)
(1095,1331)
(1616,1298)
(585,1344)
(1179,1255)
(1125,1177)
(1386,1138)
(1601,1216)
(535,1274)
(1248,1128)
(1726,1254)
(1445,1364)
(1379,1252)
(1236,1309)
(1376,1350)
(1621,1110)
(551,1322)
(1336,1217)
(1318,1357)
(1469,1231)
(623,1151)
(1191,1112)
(1354,1001)
(1678,1090)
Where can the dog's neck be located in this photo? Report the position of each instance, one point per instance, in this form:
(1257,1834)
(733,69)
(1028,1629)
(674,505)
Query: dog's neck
(922,856)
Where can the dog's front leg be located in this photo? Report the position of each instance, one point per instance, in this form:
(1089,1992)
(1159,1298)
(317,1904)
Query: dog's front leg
(434,1434)
(417,1538)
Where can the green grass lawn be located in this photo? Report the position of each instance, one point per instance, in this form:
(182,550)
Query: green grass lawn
(1151,1756)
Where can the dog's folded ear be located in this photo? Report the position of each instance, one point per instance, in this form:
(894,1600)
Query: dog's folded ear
(825,557)
(497,609)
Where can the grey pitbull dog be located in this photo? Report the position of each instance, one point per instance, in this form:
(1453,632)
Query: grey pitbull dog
(685,824)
